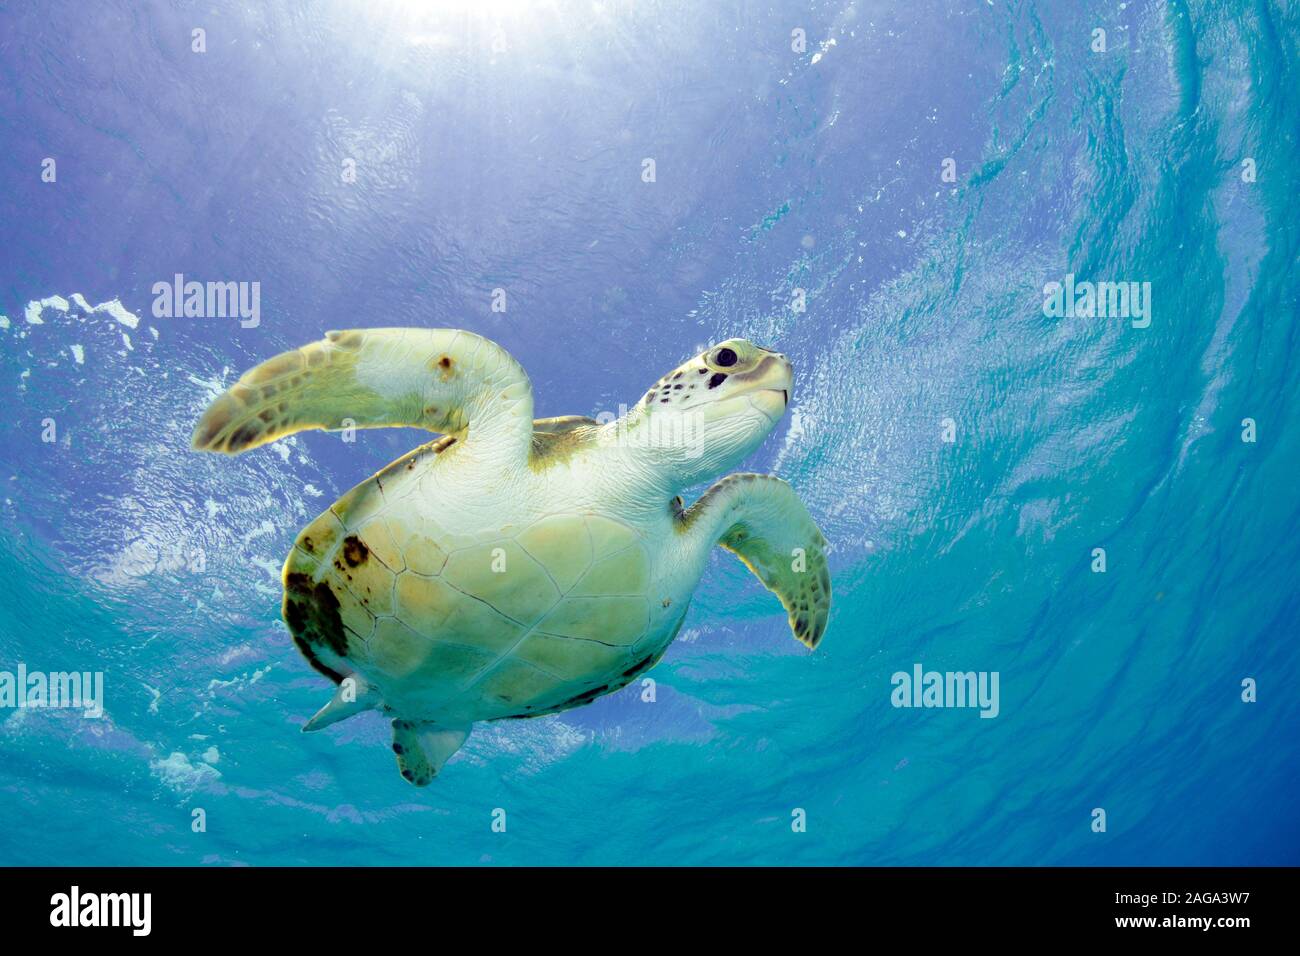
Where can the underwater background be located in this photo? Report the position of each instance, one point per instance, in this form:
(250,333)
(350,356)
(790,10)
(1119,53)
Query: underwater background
(393,162)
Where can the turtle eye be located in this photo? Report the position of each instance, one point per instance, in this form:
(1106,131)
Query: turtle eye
(724,358)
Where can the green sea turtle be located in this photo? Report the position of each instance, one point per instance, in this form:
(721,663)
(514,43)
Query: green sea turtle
(514,568)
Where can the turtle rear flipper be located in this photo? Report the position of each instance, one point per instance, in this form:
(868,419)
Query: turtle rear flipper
(422,748)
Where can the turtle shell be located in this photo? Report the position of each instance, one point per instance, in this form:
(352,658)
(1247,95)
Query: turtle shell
(452,628)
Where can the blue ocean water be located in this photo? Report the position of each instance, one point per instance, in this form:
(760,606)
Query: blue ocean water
(393,162)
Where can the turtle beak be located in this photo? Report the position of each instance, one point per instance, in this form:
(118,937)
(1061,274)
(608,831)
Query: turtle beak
(774,377)
(785,371)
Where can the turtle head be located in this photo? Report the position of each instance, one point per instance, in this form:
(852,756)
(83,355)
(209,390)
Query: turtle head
(707,414)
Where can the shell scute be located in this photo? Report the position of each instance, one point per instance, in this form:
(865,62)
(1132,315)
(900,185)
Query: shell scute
(608,536)
(420,552)
(365,577)
(379,539)
(435,609)
(321,537)
(568,657)
(396,649)
(514,683)
(561,544)
(502,574)
(612,619)
(359,505)
(624,572)
(357,620)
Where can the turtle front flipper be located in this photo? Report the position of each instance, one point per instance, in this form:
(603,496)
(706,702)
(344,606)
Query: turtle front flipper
(764,523)
(422,748)
(444,380)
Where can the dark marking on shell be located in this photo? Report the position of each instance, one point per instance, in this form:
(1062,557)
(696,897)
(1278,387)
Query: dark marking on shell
(640,666)
(355,551)
(587,696)
(305,650)
(312,612)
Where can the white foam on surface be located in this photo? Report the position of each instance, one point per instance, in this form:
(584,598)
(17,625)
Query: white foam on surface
(115,309)
(32,313)
(180,775)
